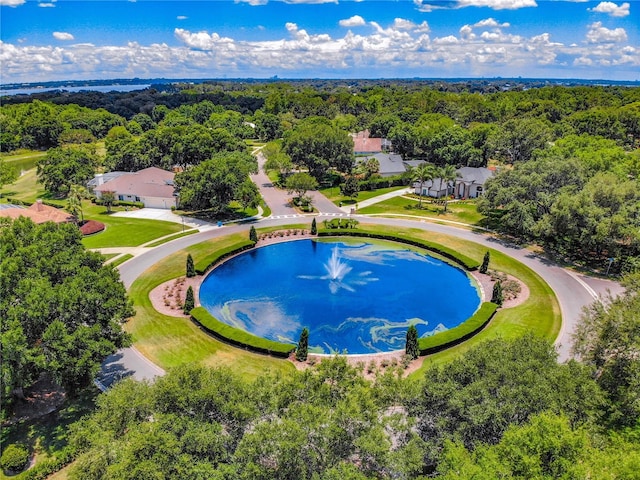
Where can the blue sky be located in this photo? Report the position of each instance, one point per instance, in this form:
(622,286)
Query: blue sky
(77,40)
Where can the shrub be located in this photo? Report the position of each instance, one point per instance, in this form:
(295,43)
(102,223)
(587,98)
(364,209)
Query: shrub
(14,458)
(191,270)
(253,236)
(89,227)
(207,262)
(314,227)
(238,337)
(459,334)
(189,302)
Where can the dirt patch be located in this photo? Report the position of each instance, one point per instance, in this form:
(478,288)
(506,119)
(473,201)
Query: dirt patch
(487,280)
(168,297)
(44,397)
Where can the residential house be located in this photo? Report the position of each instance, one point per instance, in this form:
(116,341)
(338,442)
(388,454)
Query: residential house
(390,163)
(469,184)
(152,186)
(38,212)
(471,180)
(364,144)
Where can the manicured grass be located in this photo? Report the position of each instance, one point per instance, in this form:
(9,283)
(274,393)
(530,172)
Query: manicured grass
(457,211)
(336,197)
(121,260)
(129,232)
(170,341)
(107,256)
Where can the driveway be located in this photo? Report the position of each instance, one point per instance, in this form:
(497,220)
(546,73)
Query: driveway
(166,216)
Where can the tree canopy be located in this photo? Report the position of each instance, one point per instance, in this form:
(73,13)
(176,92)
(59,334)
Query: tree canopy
(61,308)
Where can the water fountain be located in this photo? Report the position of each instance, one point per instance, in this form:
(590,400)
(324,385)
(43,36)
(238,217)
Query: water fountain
(375,291)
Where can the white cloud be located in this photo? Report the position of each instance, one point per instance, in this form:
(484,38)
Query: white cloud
(498,4)
(599,34)
(612,9)
(181,17)
(400,49)
(403,24)
(46,5)
(491,22)
(253,2)
(425,7)
(355,21)
(63,36)
(11,3)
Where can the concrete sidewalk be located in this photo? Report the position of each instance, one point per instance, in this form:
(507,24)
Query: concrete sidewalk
(378,199)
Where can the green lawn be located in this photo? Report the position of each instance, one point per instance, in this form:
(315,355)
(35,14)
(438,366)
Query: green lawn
(129,232)
(170,341)
(457,211)
(122,259)
(336,197)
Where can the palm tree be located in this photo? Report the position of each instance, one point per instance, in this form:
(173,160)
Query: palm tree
(447,174)
(423,173)
(74,201)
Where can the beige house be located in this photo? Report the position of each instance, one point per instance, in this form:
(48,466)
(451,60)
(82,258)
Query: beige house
(151,186)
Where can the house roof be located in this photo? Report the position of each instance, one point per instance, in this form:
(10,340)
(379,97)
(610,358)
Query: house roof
(150,182)
(38,213)
(367,144)
(104,177)
(390,163)
(474,175)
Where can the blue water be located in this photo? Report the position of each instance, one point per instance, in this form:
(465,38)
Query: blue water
(379,290)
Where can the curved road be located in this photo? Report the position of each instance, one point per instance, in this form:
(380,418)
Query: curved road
(574,291)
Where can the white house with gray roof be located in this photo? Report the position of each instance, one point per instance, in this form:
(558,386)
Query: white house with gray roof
(469,184)
(152,186)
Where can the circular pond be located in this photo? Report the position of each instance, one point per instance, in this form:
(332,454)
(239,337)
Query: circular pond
(354,297)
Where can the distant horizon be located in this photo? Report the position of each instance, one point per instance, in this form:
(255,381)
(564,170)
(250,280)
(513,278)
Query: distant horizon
(65,40)
(137,81)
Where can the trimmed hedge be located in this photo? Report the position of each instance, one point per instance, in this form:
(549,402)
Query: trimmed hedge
(466,262)
(207,262)
(15,201)
(239,337)
(459,334)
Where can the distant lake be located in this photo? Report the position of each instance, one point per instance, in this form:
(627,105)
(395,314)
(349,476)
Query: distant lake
(91,88)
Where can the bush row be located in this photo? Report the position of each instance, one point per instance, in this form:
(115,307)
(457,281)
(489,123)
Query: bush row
(451,254)
(375,183)
(239,337)
(207,262)
(449,338)
(118,203)
(43,469)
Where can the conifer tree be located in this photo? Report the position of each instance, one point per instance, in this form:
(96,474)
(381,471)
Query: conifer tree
(191,269)
(411,348)
(189,301)
(253,235)
(314,227)
(497,296)
(485,263)
(303,345)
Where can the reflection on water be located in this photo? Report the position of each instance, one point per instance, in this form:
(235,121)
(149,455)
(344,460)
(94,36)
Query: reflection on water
(358,298)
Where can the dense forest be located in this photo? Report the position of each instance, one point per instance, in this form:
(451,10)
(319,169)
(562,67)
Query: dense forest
(568,165)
